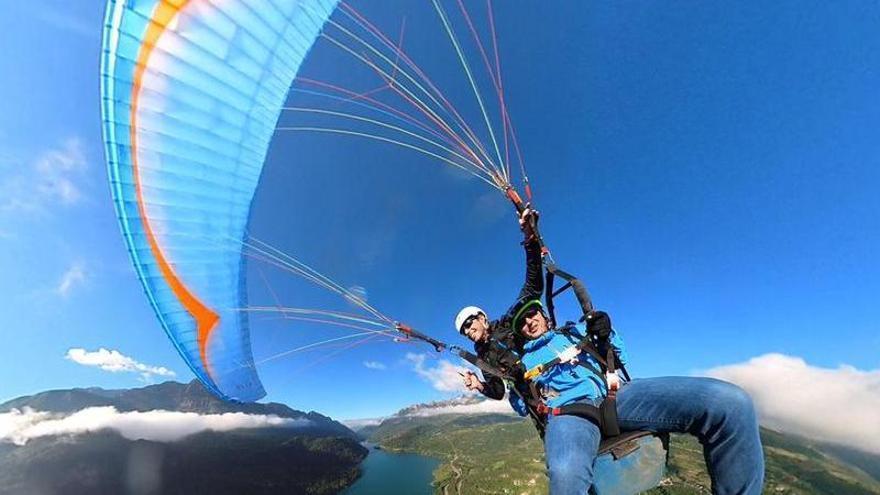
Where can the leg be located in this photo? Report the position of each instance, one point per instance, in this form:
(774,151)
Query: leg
(570,445)
(719,414)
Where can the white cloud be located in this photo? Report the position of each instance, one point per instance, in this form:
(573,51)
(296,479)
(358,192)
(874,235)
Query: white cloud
(445,376)
(73,277)
(839,405)
(481,407)
(115,362)
(374,365)
(356,424)
(20,426)
(52,180)
(357,295)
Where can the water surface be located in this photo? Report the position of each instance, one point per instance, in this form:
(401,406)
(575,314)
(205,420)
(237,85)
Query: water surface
(386,473)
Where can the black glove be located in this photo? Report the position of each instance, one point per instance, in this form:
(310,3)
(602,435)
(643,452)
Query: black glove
(599,324)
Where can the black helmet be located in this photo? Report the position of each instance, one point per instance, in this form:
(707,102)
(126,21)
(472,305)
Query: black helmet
(520,308)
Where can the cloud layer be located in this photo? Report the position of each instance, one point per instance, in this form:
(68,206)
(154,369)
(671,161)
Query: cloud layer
(116,362)
(20,426)
(839,405)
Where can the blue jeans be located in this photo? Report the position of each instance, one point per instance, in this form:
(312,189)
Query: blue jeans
(719,414)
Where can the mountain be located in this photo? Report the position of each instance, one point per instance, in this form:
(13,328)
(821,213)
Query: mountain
(866,462)
(468,409)
(318,456)
(502,454)
(364,427)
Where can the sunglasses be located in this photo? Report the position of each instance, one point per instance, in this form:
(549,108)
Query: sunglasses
(528,314)
(468,322)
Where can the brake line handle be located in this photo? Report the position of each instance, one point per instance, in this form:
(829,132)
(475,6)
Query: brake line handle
(521,206)
(514,198)
(404,329)
(411,333)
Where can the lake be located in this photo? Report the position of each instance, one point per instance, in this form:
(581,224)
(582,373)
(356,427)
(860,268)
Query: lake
(387,473)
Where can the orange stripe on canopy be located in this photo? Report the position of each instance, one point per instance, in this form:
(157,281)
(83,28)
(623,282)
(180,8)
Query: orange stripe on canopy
(206,319)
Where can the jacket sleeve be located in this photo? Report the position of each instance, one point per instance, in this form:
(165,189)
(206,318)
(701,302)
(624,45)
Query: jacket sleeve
(494,387)
(533,288)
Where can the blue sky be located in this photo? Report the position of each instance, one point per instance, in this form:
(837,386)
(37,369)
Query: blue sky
(710,169)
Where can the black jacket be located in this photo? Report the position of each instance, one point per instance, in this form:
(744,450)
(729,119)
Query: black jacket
(501,350)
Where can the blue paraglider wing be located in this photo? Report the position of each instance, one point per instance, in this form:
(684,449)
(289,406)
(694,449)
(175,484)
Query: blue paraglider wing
(191,94)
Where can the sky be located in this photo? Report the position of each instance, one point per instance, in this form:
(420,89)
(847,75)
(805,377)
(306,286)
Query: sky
(708,169)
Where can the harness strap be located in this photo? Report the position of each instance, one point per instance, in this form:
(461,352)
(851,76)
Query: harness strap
(582,345)
(481,363)
(548,297)
(608,415)
(587,411)
(580,290)
(604,416)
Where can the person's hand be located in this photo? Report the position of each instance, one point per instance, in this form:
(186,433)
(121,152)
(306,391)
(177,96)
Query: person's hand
(613,381)
(599,324)
(570,355)
(528,219)
(472,382)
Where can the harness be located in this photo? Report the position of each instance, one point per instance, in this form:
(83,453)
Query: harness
(523,384)
(605,414)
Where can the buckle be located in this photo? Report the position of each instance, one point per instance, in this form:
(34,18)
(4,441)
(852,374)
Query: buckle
(534,372)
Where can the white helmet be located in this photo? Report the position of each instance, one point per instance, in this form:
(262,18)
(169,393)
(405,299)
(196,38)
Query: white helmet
(466,313)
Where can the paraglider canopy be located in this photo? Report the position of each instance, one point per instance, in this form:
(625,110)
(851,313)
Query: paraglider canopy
(191,94)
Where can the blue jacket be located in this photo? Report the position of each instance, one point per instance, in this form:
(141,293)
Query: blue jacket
(565,383)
